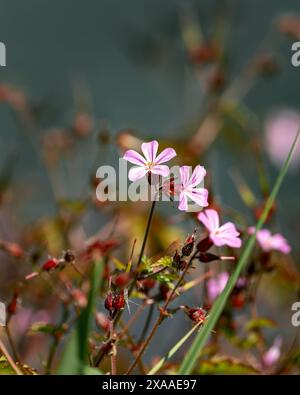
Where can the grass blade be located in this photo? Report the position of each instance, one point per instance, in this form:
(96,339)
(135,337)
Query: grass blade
(173,350)
(191,357)
(74,359)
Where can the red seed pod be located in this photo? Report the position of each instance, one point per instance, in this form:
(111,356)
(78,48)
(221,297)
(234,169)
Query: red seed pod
(99,248)
(204,244)
(119,301)
(197,314)
(238,300)
(122,279)
(52,263)
(69,256)
(108,304)
(147,284)
(176,259)
(207,257)
(12,306)
(203,54)
(164,291)
(188,246)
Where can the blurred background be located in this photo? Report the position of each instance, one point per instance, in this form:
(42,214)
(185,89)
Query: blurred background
(86,80)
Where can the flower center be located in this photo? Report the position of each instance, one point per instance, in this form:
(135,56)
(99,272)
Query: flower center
(149,165)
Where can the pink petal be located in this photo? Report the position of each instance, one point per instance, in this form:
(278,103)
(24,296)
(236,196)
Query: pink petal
(210,219)
(185,175)
(136,173)
(273,354)
(221,241)
(279,243)
(264,238)
(150,150)
(134,157)
(223,279)
(161,170)
(199,196)
(183,206)
(227,235)
(216,285)
(197,176)
(166,155)
(212,289)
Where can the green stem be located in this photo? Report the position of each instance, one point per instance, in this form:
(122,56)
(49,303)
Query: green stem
(146,233)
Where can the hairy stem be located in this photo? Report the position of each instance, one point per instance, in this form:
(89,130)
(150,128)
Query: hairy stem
(101,353)
(161,316)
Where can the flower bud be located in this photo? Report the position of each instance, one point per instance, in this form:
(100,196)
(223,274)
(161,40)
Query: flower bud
(197,315)
(188,246)
(52,263)
(147,284)
(119,301)
(12,306)
(122,279)
(108,304)
(204,244)
(176,259)
(207,257)
(69,256)
(114,302)
(238,300)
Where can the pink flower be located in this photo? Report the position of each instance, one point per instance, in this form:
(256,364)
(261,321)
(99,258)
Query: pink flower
(220,235)
(189,187)
(269,242)
(150,163)
(272,356)
(216,285)
(280,131)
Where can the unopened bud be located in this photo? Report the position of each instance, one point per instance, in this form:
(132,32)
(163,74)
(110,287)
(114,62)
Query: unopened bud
(69,256)
(122,279)
(114,302)
(197,315)
(204,244)
(208,257)
(119,301)
(12,306)
(188,246)
(52,263)
(108,304)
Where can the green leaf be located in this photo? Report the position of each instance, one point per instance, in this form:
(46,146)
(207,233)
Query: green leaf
(42,327)
(89,371)
(164,261)
(5,368)
(75,356)
(225,365)
(191,357)
(259,323)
